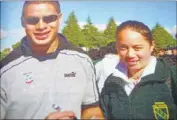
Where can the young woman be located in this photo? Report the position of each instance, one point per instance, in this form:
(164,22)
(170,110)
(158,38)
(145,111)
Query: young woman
(141,87)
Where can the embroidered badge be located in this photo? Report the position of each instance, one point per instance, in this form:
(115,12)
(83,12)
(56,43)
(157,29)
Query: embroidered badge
(56,107)
(72,74)
(160,110)
(28,77)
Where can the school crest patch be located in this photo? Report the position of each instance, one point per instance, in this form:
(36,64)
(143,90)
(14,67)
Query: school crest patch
(160,110)
(28,77)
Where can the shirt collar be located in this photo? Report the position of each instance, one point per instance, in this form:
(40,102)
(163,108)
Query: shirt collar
(122,72)
(25,46)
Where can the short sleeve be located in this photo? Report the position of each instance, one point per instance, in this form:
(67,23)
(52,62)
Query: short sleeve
(91,91)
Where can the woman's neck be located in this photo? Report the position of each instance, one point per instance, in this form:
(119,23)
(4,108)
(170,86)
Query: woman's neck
(135,74)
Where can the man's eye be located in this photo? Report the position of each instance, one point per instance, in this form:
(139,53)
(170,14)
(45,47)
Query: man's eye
(50,18)
(32,20)
(138,48)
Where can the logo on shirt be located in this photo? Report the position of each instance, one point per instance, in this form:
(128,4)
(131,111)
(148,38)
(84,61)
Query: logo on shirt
(72,74)
(160,110)
(56,107)
(28,77)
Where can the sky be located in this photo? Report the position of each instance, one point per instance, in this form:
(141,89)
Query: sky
(100,11)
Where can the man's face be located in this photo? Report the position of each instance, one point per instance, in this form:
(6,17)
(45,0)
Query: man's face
(41,22)
(134,50)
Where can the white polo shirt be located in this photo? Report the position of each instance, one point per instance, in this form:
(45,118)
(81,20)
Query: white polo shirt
(31,87)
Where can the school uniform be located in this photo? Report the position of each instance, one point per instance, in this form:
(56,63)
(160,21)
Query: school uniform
(153,96)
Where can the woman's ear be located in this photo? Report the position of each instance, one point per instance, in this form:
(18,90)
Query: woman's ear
(152,46)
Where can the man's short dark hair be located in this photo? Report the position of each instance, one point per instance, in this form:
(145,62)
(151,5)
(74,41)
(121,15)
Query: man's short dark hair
(53,2)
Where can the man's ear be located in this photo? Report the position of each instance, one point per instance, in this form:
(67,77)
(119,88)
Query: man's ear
(22,22)
(60,18)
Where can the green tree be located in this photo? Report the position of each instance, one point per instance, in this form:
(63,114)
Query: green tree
(162,37)
(72,31)
(4,53)
(110,31)
(91,34)
(16,45)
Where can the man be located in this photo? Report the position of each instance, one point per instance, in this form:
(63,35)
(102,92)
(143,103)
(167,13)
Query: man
(45,78)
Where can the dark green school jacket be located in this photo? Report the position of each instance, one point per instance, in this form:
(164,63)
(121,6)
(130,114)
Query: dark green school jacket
(153,98)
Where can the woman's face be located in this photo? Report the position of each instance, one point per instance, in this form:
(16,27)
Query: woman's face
(134,49)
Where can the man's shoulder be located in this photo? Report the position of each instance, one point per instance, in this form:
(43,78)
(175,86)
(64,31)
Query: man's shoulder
(77,54)
(12,57)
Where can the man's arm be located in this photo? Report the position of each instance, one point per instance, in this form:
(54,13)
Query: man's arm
(92,113)
(90,104)
(60,115)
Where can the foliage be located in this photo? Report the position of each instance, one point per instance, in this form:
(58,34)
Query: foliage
(72,31)
(162,38)
(16,45)
(91,34)
(110,31)
(90,37)
(4,53)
